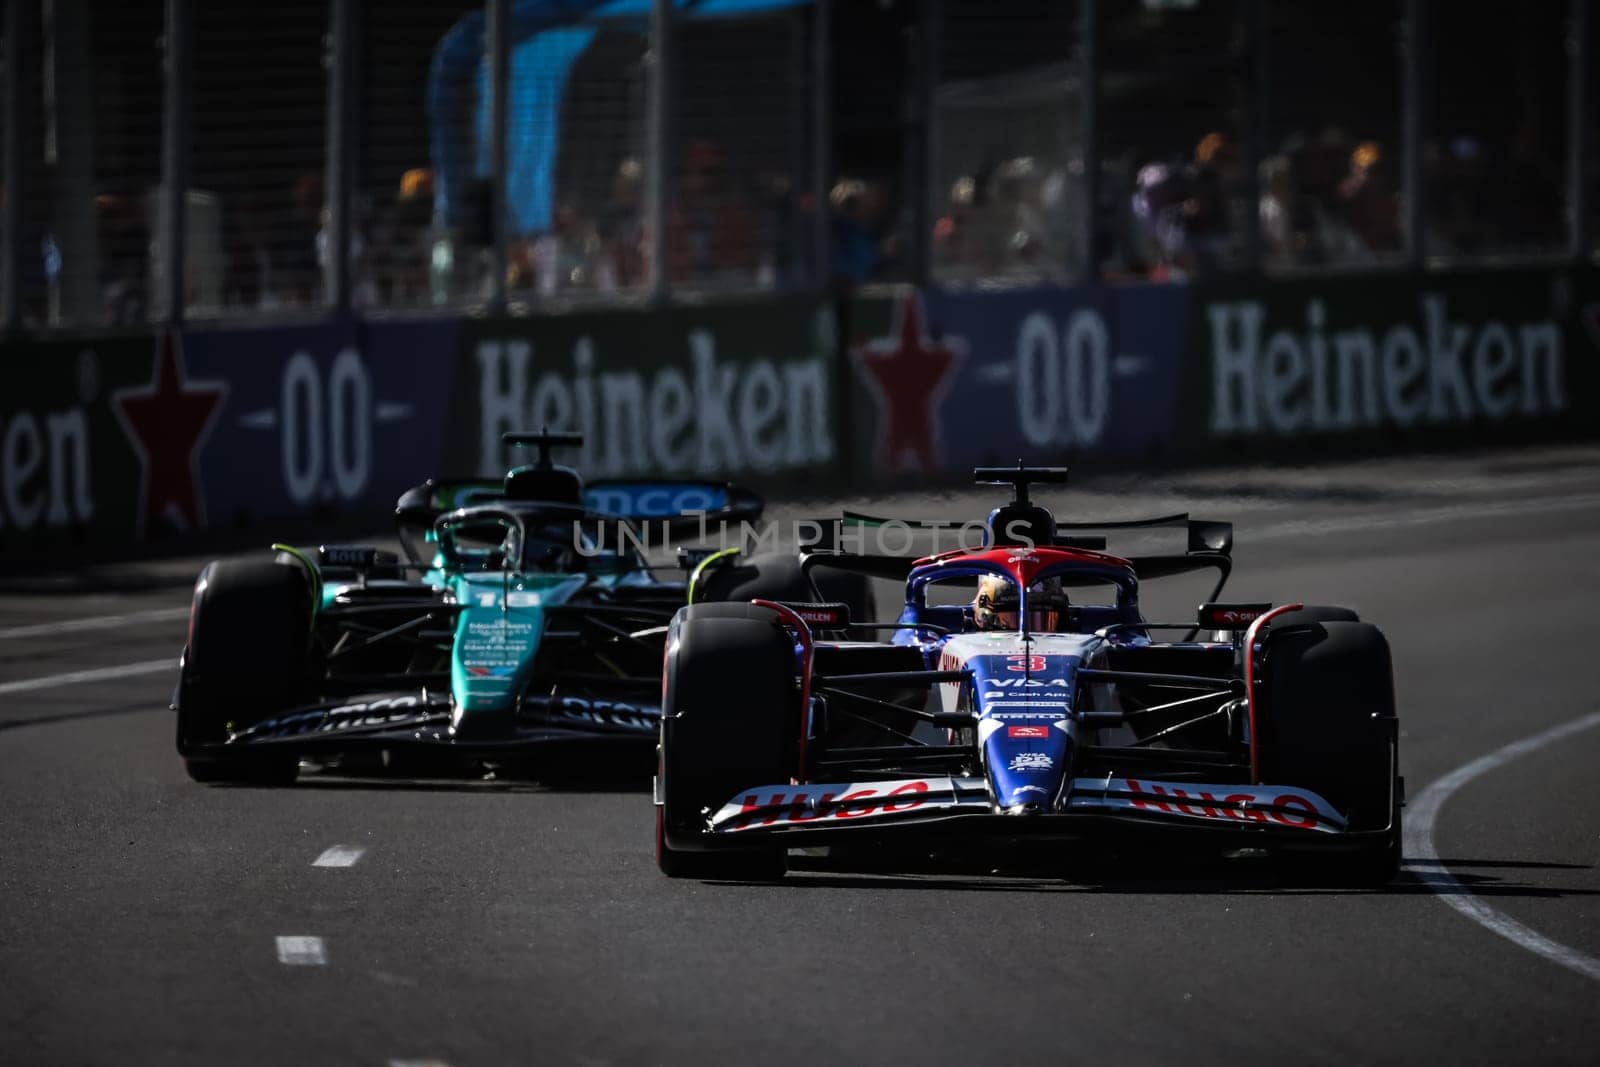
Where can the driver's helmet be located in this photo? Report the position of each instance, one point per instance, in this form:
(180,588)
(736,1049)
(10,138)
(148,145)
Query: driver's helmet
(995,606)
(549,549)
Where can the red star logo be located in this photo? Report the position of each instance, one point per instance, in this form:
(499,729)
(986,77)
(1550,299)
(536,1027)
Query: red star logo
(167,422)
(908,373)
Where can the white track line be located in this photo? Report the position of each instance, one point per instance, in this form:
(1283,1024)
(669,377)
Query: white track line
(339,856)
(99,674)
(299,951)
(418,1063)
(1477,509)
(1420,814)
(96,622)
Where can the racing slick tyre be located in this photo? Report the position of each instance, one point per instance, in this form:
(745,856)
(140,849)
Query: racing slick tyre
(250,630)
(1313,613)
(728,723)
(1329,725)
(777,576)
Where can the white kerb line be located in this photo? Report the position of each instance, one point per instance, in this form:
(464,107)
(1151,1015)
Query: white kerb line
(1421,814)
(95,622)
(301,951)
(99,674)
(339,856)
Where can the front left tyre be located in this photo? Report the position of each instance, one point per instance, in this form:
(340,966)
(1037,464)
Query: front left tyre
(1329,724)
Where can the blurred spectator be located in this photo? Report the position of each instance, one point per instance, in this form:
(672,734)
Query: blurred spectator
(249,281)
(621,231)
(124,240)
(857,211)
(955,248)
(710,232)
(1284,240)
(1030,206)
(560,257)
(301,276)
(1201,236)
(401,251)
(1369,205)
(1154,191)
(1184,217)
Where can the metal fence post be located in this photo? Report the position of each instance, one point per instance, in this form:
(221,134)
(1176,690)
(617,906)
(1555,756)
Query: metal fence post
(497,42)
(342,126)
(175,157)
(1580,111)
(659,109)
(821,139)
(1414,127)
(795,269)
(1089,136)
(1256,141)
(922,140)
(16,141)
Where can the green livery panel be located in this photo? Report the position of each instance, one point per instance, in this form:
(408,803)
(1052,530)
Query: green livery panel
(497,635)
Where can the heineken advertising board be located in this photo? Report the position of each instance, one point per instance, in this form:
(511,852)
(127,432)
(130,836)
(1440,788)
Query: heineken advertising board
(715,390)
(1393,358)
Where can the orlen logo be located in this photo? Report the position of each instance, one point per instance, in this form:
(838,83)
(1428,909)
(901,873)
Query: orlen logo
(1236,617)
(784,808)
(1286,809)
(1027,731)
(823,617)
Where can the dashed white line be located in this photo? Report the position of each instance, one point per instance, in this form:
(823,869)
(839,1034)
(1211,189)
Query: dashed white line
(418,1063)
(1420,815)
(301,951)
(96,622)
(99,674)
(339,856)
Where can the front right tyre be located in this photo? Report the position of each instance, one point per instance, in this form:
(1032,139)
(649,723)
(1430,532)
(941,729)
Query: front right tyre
(247,659)
(730,721)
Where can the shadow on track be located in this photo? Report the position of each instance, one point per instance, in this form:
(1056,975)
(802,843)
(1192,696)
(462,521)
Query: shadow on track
(1451,864)
(376,784)
(1147,875)
(78,716)
(565,772)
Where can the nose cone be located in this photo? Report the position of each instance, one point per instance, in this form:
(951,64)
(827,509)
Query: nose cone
(1027,763)
(1026,730)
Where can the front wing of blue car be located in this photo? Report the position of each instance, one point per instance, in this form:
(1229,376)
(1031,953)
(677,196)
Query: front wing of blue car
(951,805)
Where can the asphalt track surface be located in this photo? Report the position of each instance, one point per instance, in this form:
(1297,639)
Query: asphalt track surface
(480,923)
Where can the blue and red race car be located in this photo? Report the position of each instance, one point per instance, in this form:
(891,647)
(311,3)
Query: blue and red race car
(1036,702)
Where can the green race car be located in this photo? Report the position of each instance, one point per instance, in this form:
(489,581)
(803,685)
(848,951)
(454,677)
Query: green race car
(523,623)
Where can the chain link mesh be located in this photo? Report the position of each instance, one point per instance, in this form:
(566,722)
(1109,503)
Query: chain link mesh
(1008,158)
(91,163)
(258,102)
(1192,95)
(1494,160)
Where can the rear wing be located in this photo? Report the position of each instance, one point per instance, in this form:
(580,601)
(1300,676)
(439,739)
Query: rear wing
(1202,535)
(644,499)
(1208,545)
(680,503)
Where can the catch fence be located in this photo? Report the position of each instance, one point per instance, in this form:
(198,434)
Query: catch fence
(167,160)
